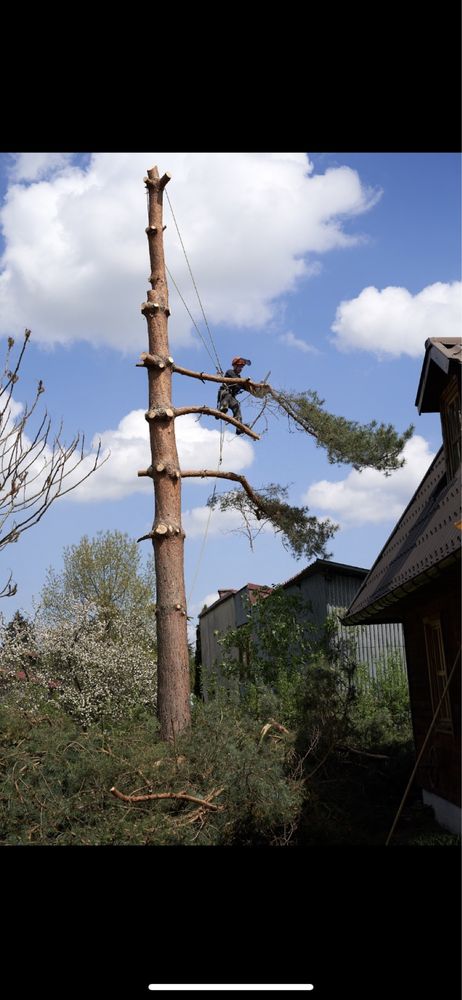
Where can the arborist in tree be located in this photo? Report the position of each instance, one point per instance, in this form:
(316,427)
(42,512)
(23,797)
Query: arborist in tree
(227,393)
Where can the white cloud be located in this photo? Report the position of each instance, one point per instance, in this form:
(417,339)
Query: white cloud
(34,166)
(196,607)
(75,263)
(210,599)
(195,521)
(369,497)
(393,321)
(198,448)
(301,345)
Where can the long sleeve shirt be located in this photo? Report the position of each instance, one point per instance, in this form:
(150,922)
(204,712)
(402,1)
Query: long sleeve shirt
(233,389)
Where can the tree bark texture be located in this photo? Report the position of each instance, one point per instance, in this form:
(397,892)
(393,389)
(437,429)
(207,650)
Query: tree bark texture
(173,697)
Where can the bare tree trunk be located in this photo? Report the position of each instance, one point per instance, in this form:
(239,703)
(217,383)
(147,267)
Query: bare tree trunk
(168,537)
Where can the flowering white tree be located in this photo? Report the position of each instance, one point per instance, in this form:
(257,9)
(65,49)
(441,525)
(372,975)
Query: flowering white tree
(94,673)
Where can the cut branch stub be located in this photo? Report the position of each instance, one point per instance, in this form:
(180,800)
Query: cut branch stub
(160,413)
(154,180)
(154,361)
(153,307)
(161,529)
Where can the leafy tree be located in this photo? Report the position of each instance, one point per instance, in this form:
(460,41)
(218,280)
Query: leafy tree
(20,630)
(269,656)
(35,467)
(94,673)
(105,570)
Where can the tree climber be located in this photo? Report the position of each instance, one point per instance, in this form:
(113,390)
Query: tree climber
(227,393)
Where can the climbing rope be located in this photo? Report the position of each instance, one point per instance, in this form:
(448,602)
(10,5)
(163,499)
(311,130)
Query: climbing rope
(219,368)
(190,315)
(207,526)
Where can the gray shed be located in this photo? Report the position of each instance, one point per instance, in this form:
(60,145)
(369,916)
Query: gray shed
(327,588)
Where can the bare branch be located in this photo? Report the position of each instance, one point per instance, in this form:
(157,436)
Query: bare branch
(204,803)
(33,472)
(182,410)
(246,383)
(302,533)
(234,476)
(9,588)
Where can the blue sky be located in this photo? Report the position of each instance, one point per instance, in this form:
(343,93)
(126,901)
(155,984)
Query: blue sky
(328,269)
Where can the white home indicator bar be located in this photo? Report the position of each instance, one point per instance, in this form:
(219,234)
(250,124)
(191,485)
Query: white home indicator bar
(232,986)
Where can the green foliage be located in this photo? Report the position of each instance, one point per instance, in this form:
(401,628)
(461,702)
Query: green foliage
(436,839)
(351,732)
(374,445)
(106,570)
(267,659)
(56,780)
(380,707)
(301,533)
(381,712)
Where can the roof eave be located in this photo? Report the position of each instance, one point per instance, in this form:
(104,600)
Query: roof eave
(364,616)
(444,361)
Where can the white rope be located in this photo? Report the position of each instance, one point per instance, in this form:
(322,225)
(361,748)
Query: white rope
(220,369)
(204,540)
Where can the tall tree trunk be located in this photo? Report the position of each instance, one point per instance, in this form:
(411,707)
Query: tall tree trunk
(167,534)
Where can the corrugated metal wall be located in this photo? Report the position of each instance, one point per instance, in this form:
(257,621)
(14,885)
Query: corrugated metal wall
(373,642)
(219,619)
(325,594)
(330,593)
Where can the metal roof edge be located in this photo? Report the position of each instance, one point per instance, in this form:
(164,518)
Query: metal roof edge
(426,576)
(403,515)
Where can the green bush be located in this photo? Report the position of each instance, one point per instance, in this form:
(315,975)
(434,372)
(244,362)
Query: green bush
(56,779)
(266,660)
(436,840)
(381,709)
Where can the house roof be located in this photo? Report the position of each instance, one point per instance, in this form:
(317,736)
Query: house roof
(225,594)
(325,566)
(443,355)
(426,538)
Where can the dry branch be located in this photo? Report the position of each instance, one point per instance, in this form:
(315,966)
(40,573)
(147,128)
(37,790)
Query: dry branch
(364,753)
(246,383)
(204,803)
(234,476)
(182,410)
(272,724)
(35,468)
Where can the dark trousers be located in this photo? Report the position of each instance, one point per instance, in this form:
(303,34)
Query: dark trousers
(231,403)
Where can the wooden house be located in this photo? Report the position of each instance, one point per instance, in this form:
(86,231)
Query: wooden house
(416,580)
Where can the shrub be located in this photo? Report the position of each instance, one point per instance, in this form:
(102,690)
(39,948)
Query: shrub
(265,661)
(94,670)
(56,779)
(381,710)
